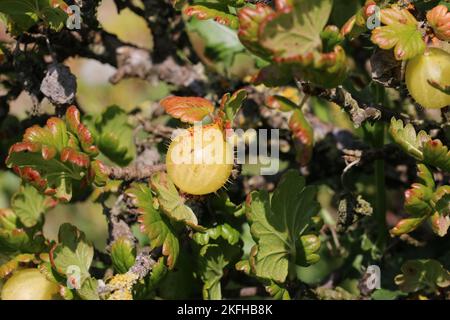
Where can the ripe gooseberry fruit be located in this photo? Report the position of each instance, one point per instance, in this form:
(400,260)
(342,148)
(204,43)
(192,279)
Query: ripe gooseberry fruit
(29,284)
(199,161)
(433,65)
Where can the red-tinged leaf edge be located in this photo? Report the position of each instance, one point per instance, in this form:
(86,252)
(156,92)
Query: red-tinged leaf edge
(81,131)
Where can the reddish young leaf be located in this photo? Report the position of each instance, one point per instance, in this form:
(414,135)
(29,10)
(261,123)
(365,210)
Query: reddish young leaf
(187,109)
(81,131)
(439,19)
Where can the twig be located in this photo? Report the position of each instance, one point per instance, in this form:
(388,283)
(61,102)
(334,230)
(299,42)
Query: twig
(134,172)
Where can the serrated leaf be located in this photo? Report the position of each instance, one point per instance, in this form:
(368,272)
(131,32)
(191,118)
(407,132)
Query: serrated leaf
(278,223)
(213,11)
(400,32)
(187,109)
(88,290)
(51,157)
(29,205)
(249,20)
(15,238)
(22,14)
(426,275)
(436,154)
(115,136)
(303,136)
(439,20)
(423,201)
(155,225)
(295,30)
(123,254)
(420,146)
(212,261)
(171,202)
(231,103)
(73,253)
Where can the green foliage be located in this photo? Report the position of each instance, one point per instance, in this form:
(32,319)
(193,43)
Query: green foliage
(51,158)
(113,135)
(29,205)
(427,275)
(278,224)
(170,201)
(423,200)
(72,250)
(420,145)
(23,14)
(122,255)
(156,225)
(293,37)
(400,33)
(322,72)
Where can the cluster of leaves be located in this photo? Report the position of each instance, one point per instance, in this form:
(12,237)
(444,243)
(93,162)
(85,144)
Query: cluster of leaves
(21,15)
(424,200)
(54,157)
(279,237)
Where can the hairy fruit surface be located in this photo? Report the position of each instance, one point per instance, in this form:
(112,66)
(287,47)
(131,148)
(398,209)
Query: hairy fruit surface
(199,161)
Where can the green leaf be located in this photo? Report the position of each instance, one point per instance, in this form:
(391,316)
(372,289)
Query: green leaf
(384,294)
(281,103)
(73,253)
(278,224)
(22,14)
(88,290)
(220,49)
(295,31)
(400,32)
(171,203)
(224,231)
(436,154)
(230,104)
(420,145)
(157,226)
(422,202)
(115,136)
(428,275)
(308,254)
(29,205)
(147,288)
(123,255)
(14,238)
(250,19)
(212,261)
(51,157)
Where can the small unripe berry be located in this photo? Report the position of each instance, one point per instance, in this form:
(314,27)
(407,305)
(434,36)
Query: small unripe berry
(29,284)
(199,161)
(433,65)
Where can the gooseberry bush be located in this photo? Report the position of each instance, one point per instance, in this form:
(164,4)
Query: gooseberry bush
(353,95)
